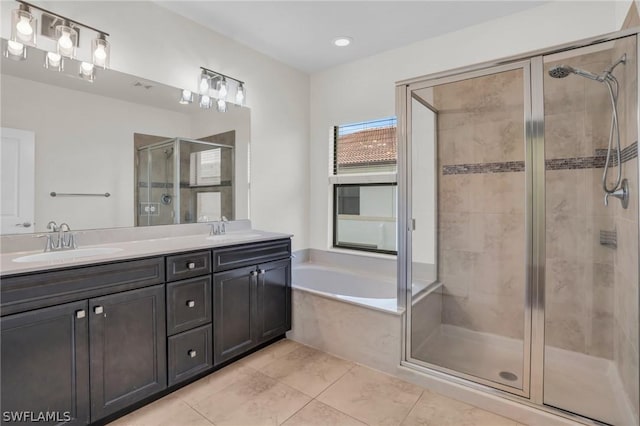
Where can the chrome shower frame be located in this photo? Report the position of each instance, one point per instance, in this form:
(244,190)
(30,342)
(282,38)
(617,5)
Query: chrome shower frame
(535,219)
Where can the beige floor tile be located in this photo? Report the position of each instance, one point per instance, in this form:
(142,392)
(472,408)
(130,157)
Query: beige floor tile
(209,385)
(372,397)
(253,400)
(307,370)
(318,414)
(168,411)
(269,354)
(436,410)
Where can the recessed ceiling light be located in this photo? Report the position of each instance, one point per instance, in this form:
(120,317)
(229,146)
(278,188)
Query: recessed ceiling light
(342,41)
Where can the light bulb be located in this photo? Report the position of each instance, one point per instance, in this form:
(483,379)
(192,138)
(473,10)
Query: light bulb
(222,105)
(54,59)
(240,95)
(65,41)
(24,27)
(86,68)
(222,88)
(15,48)
(204,84)
(205,101)
(100,53)
(186,97)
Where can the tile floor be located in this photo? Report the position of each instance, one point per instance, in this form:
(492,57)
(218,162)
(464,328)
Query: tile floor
(291,384)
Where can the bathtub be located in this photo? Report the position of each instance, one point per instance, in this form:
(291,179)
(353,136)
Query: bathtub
(360,289)
(348,314)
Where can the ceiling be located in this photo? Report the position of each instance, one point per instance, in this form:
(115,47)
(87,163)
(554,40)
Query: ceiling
(300,33)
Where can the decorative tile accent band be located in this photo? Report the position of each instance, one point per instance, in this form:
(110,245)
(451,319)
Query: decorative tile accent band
(595,162)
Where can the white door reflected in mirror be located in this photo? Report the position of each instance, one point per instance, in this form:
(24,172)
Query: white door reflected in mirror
(17,159)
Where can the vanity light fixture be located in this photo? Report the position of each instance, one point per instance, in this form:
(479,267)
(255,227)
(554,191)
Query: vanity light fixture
(64,31)
(205,101)
(219,87)
(53,61)
(203,85)
(23,26)
(16,51)
(101,50)
(222,88)
(87,71)
(240,94)
(186,97)
(222,105)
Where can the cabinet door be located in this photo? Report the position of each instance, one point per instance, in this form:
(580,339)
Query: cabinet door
(128,348)
(45,365)
(274,299)
(234,306)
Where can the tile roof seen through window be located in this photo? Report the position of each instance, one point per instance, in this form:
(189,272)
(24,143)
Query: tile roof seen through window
(369,146)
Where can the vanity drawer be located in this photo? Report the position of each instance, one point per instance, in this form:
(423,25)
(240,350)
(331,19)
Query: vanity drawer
(188,304)
(38,290)
(247,255)
(190,353)
(188,265)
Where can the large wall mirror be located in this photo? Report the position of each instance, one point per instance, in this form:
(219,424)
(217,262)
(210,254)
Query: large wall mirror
(120,151)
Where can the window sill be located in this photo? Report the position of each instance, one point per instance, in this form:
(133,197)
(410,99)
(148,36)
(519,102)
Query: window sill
(362,253)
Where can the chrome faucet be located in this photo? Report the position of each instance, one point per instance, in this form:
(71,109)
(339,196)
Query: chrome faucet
(215,228)
(223,225)
(65,240)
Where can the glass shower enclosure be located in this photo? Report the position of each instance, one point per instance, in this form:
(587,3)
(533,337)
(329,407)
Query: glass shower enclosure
(184,181)
(517,276)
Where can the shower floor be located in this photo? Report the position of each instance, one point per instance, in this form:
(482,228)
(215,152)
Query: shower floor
(573,381)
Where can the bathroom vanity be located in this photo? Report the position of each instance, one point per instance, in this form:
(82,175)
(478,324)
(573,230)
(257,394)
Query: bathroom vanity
(90,342)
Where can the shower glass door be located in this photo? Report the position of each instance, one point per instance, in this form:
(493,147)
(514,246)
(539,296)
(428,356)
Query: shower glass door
(469,254)
(591,277)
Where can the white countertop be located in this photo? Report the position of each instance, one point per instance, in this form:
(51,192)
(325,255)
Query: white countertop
(135,249)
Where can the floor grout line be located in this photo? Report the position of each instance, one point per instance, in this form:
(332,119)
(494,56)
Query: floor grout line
(412,407)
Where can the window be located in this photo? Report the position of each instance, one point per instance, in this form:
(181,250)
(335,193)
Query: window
(363,182)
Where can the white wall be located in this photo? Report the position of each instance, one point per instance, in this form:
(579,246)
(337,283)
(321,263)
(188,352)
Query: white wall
(152,42)
(365,89)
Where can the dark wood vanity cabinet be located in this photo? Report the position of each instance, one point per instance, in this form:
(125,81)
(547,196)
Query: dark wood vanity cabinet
(45,364)
(251,297)
(83,360)
(88,343)
(128,348)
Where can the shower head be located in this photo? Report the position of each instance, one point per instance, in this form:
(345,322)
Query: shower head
(562,71)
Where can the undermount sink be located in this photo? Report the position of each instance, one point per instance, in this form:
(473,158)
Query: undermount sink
(233,236)
(67,254)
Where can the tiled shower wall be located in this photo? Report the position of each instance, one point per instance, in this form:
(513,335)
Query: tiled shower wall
(625,259)
(481,213)
(579,270)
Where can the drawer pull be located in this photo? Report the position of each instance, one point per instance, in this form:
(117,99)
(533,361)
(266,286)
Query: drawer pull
(192,353)
(191,303)
(81,313)
(191,265)
(98,309)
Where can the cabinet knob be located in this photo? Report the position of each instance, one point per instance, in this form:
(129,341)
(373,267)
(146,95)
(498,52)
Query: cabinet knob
(253,273)
(81,313)
(191,265)
(191,303)
(98,309)
(261,271)
(192,353)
